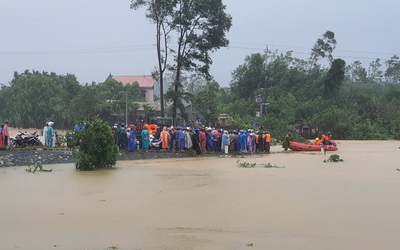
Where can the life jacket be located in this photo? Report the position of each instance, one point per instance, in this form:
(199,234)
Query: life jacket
(267,137)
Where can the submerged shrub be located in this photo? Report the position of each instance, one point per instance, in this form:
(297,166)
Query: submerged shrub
(334,158)
(96,147)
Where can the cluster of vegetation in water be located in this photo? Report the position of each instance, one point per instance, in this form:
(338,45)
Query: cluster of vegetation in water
(37,167)
(334,158)
(255,165)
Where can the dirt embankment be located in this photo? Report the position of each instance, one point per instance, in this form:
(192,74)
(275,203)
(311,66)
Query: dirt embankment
(25,157)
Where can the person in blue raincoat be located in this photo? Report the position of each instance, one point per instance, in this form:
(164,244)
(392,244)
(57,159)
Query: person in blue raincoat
(180,139)
(51,137)
(210,142)
(224,141)
(240,142)
(145,139)
(132,140)
(244,141)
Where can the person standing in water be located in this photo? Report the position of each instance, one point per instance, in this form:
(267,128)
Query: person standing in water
(286,141)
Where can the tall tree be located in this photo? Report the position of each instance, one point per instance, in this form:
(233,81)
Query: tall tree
(392,72)
(357,73)
(159,12)
(334,78)
(201,26)
(249,77)
(323,47)
(375,73)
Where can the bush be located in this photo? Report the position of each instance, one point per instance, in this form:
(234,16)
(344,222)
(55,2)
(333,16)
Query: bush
(96,147)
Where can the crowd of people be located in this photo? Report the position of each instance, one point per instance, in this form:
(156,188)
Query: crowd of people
(49,135)
(201,140)
(325,139)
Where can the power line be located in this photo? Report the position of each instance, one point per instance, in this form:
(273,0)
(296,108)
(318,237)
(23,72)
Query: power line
(81,51)
(298,47)
(308,53)
(152,46)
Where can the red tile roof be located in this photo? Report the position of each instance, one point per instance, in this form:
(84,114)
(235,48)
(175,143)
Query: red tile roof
(145,81)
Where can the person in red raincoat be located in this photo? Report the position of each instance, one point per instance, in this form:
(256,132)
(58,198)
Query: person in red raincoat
(165,136)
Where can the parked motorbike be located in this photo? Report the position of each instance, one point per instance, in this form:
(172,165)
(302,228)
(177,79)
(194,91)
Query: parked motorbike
(155,143)
(24,140)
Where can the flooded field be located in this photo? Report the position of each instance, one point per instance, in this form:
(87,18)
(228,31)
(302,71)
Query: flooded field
(210,203)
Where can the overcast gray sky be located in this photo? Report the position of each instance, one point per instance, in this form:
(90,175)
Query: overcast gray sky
(93,38)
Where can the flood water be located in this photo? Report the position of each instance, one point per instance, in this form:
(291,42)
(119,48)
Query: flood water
(210,203)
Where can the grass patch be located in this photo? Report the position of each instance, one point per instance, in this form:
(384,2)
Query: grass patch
(255,165)
(37,167)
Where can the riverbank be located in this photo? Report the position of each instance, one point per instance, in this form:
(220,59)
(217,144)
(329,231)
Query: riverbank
(25,157)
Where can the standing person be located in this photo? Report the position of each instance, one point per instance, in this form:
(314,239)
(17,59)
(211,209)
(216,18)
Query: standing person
(256,142)
(250,143)
(196,141)
(180,144)
(51,138)
(232,147)
(172,139)
(202,138)
(165,137)
(188,138)
(267,142)
(224,141)
(157,133)
(210,142)
(286,141)
(1,135)
(145,139)
(115,132)
(262,142)
(243,142)
(123,138)
(132,139)
(6,134)
(45,128)
(239,147)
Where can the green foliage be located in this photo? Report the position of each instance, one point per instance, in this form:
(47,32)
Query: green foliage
(393,70)
(37,167)
(334,78)
(248,77)
(298,138)
(61,141)
(334,158)
(366,131)
(324,47)
(96,147)
(254,165)
(206,104)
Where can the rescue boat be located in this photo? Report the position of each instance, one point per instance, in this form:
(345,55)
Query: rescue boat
(298,146)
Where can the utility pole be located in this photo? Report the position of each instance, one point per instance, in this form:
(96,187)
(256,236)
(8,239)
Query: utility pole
(266,64)
(126,108)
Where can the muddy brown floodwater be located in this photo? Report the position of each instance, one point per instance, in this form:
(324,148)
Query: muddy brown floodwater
(210,203)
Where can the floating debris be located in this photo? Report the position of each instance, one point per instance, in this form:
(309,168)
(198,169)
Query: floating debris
(38,166)
(334,158)
(255,165)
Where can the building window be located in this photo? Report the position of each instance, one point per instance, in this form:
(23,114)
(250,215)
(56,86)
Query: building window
(143,94)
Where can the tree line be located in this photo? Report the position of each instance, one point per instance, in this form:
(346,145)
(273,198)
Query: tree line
(34,98)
